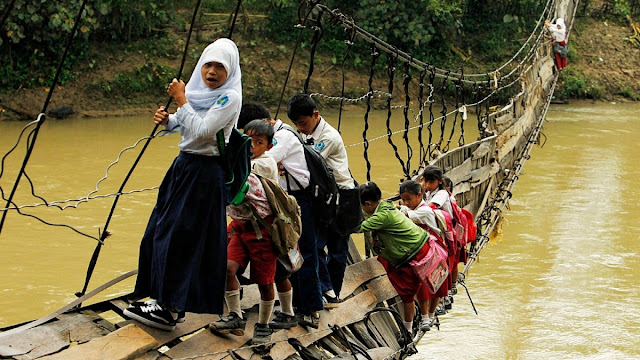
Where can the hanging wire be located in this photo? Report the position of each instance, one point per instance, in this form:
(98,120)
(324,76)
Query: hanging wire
(105,232)
(391,70)
(6,12)
(42,118)
(300,26)
(443,112)
(422,152)
(317,35)
(456,96)
(235,17)
(463,109)
(405,136)
(349,43)
(365,144)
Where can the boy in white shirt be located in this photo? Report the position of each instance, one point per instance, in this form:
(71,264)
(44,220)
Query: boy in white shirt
(302,110)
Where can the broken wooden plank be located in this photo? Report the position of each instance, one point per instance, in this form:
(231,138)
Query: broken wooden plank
(122,344)
(349,311)
(54,336)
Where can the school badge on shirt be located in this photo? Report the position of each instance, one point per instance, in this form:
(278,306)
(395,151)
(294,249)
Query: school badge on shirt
(319,146)
(223,100)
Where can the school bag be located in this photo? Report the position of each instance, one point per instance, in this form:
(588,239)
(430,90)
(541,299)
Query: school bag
(472,228)
(286,227)
(322,184)
(465,227)
(236,164)
(432,269)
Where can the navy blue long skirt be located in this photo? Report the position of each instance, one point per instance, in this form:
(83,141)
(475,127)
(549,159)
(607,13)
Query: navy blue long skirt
(183,254)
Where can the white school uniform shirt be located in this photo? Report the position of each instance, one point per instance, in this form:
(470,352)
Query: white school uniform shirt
(422,214)
(288,151)
(328,142)
(265,166)
(440,198)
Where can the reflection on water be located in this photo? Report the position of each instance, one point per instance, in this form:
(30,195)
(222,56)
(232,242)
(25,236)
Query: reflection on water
(561,285)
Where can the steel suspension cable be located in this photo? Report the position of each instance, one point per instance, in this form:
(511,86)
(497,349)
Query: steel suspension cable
(42,117)
(391,70)
(374,56)
(407,98)
(105,232)
(317,36)
(301,27)
(6,12)
(349,43)
(422,152)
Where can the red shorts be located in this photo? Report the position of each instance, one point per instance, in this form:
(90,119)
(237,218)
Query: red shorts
(405,281)
(244,247)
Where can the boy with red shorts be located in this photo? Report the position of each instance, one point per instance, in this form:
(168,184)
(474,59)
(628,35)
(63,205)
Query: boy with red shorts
(251,242)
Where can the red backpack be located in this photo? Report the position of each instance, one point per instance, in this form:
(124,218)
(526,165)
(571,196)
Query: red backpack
(464,224)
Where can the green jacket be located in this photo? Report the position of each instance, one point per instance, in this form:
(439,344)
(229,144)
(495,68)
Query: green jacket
(401,238)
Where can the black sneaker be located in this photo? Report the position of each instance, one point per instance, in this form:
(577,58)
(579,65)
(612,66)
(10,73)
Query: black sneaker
(283,321)
(331,302)
(447,303)
(181,316)
(152,314)
(233,324)
(261,334)
(308,320)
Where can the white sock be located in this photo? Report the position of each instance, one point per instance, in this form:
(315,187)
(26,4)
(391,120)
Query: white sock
(265,309)
(432,315)
(286,302)
(233,301)
(330,293)
(408,325)
(315,314)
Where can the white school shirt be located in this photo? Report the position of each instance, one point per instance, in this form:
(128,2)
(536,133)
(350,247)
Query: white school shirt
(288,151)
(440,198)
(422,214)
(328,142)
(265,166)
(199,127)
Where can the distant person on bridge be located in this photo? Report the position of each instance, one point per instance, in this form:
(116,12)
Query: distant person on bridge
(559,35)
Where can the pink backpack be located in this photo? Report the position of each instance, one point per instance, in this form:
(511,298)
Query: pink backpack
(432,269)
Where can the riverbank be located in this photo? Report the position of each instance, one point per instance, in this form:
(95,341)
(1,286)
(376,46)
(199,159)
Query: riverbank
(123,80)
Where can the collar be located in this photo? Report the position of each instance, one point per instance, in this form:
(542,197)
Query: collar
(422,203)
(278,125)
(318,130)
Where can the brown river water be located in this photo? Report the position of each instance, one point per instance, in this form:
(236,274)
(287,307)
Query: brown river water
(562,284)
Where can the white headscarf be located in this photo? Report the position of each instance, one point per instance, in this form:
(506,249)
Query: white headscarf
(224,51)
(559,35)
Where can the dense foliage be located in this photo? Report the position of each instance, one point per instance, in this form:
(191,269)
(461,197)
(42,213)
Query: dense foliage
(36,31)
(447,33)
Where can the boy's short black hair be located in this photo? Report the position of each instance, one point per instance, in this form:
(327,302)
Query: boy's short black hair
(369,192)
(411,187)
(260,127)
(300,105)
(251,111)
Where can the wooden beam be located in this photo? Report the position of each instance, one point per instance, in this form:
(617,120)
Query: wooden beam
(122,344)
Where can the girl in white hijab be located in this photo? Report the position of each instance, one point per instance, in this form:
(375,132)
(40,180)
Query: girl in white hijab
(559,34)
(183,253)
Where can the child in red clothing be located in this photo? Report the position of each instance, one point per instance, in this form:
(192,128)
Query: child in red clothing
(251,242)
(422,215)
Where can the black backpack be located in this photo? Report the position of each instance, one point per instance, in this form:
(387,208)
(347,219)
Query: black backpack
(322,185)
(236,160)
